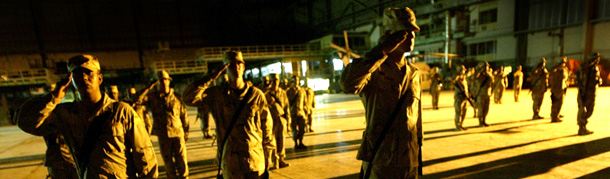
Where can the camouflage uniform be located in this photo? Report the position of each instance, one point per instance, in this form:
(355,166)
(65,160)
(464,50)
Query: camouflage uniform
(280,112)
(539,87)
(500,83)
(251,141)
(310,103)
(57,159)
(517,83)
(588,81)
(297,97)
(435,87)
(559,86)
(123,145)
(171,127)
(473,87)
(460,95)
(141,110)
(484,80)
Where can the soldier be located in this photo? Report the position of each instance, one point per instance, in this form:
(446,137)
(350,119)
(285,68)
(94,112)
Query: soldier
(310,103)
(204,114)
(461,97)
(170,124)
(140,109)
(114,92)
(484,80)
(247,149)
(297,98)
(517,82)
(559,86)
(94,127)
(588,81)
(280,112)
(539,85)
(264,83)
(500,83)
(435,87)
(473,86)
(390,90)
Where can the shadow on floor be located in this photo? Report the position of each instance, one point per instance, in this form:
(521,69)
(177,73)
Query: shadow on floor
(508,130)
(323,149)
(531,164)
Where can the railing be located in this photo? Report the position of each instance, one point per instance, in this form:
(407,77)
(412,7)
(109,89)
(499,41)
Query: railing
(181,66)
(24,77)
(260,52)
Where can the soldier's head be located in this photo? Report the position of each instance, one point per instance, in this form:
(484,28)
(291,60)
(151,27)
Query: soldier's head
(49,87)
(594,58)
(132,92)
(542,63)
(114,92)
(296,80)
(236,62)
(483,67)
(274,80)
(401,19)
(266,78)
(519,68)
(164,80)
(86,75)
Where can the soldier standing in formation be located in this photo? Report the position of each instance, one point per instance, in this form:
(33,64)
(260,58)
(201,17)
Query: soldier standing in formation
(91,125)
(435,87)
(473,86)
(244,148)
(485,81)
(280,112)
(588,81)
(140,109)
(539,86)
(390,89)
(310,103)
(517,82)
(500,83)
(170,124)
(559,86)
(114,92)
(461,97)
(297,98)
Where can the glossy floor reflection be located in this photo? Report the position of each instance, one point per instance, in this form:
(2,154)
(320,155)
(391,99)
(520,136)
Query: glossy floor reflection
(514,146)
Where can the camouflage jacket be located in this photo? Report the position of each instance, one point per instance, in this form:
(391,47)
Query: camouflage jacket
(297,98)
(168,113)
(278,105)
(123,150)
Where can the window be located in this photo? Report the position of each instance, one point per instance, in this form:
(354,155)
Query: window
(488,16)
(482,48)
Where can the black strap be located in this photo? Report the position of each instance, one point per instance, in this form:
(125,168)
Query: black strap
(241,106)
(93,134)
(383,133)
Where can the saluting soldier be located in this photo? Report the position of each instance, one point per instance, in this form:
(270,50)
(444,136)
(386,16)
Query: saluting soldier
(435,87)
(589,80)
(280,112)
(559,86)
(517,82)
(297,98)
(94,126)
(170,124)
(461,97)
(500,83)
(485,81)
(140,109)
(244,149)
(388,84)
(539,86)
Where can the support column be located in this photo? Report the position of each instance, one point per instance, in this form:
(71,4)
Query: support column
(587,27)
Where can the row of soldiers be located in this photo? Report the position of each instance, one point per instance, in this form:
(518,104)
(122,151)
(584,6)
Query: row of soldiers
(102,130)
(476,88)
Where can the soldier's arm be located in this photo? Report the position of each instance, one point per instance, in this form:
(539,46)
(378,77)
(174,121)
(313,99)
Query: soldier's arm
(195,93)
(141,98)
(313,98)
(185,121)
(286,106)
(358,73)
(36,116)
(136,137)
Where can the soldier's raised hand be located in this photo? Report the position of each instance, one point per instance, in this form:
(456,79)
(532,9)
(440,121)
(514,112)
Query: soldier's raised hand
(62,87)
(392,41)
(216,74)
(152,83)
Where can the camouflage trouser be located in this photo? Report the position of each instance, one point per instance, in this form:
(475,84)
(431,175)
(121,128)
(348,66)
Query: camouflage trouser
(537,98)
(62,171)
(498,95)
(173,151)
(435,94)
(279,131)
(556,103)
(460,109)
(517,91)
(585,110)
(309,118)
(398,171)
(483,105)
(205,122)
(298,127)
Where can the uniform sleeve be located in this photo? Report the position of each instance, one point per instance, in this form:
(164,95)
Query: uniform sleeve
(36,116)
(358,73)
(195,94)
(184,118)
(143,153)
(313,98)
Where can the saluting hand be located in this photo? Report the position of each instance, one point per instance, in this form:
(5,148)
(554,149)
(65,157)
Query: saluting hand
(62,87)
(152,84)
(392,41)
(217,73)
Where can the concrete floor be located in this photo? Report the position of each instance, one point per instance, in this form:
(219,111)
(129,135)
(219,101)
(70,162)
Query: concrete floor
(514,146)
